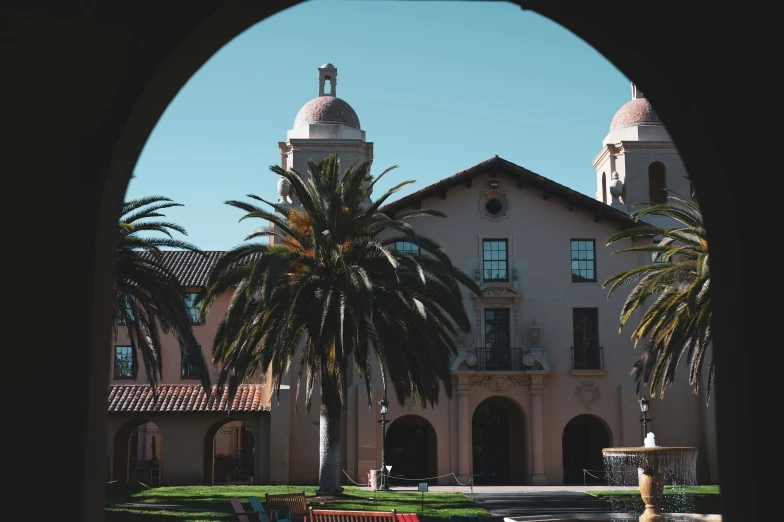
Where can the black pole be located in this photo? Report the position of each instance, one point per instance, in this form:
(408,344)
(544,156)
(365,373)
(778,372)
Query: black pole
(383,444)
(644,421)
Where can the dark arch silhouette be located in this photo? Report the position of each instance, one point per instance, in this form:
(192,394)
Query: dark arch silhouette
(227,467)
(582,441)
(498,442)
(411,449)
(127,464)
(124,64)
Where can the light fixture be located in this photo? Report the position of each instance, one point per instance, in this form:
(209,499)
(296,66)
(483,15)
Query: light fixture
(644,420)
(494,183)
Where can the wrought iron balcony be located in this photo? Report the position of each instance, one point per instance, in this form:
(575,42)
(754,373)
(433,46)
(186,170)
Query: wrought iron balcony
(587,358)
(499,359)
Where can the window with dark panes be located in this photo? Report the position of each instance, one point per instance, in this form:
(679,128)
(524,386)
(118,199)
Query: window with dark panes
(407,246)
(583,261)
(123,362)
(494,260)
(585,326)
(192,307)
(189,371)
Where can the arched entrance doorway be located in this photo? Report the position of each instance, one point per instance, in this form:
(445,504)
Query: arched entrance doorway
(582,441)
(498,442)
(411,449)
(138,453)
(232,451)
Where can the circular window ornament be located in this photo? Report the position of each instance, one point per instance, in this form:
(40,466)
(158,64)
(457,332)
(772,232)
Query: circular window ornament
(587,392)
(494,205)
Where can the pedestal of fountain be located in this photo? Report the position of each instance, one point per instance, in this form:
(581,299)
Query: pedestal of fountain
(656,466)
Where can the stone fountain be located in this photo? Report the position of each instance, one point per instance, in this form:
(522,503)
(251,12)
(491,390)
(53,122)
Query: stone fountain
(656,466)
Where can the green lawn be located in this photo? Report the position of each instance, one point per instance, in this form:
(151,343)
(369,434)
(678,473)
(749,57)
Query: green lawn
(213,502)
(702,500)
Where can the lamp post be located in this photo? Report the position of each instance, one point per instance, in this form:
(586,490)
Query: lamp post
(384,408)
(644,409)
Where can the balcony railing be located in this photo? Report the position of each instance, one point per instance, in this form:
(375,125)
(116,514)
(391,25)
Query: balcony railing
(587,358)
(499,359)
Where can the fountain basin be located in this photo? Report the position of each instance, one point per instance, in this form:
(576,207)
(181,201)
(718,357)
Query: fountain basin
(654,458)
(655,466)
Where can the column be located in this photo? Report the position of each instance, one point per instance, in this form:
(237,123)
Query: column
(537,431)
(463,430)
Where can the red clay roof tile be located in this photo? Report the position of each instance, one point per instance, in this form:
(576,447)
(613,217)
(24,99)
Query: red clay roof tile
(124,398)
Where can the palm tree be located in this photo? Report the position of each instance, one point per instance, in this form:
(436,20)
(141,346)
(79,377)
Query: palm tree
(332,290)
(149,300)
(677,324)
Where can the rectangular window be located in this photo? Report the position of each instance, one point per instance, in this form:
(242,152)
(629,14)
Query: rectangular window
(189,371)
(494,260)
(585,326)
(123,362)
(407,246)
(583,261)
(192,308)
(496,353)
(659,256)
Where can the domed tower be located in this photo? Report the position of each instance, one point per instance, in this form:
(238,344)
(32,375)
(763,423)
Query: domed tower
(324,126)
(638,160)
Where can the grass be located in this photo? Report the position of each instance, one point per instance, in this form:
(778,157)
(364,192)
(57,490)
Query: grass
(212,502)
(702,500)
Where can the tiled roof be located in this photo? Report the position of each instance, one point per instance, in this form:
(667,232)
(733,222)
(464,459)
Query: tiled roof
(191,268)
(635,112)
(327,109)
(131,398)
(524,178)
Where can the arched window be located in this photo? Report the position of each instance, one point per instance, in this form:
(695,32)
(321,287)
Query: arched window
(657,183)
(604,187)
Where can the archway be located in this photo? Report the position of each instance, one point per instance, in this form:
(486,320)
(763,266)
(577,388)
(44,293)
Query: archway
(701,133)
(498,442)
(229,453)
(138,453)
(582,441)
(411,449)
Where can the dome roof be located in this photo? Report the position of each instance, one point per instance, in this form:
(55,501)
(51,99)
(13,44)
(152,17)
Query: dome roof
(327,66)
(636,112)
(327,109)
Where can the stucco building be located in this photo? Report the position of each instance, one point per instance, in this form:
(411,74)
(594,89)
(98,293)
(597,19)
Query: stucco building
(542,380)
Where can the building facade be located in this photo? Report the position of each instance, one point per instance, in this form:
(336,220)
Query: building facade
(541,381)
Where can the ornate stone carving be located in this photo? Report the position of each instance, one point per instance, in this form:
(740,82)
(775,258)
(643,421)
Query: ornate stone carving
(471,360)
(499,290)
(517,322)
(587,392)
(499,383)
(493,205)
(483,382)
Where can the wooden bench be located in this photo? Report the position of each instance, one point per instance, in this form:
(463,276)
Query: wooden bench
(339,515)
(294,502)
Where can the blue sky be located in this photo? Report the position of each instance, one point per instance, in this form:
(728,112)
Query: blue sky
(438,86)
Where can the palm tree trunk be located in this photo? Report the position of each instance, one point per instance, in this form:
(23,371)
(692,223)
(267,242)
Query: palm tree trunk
(329,437)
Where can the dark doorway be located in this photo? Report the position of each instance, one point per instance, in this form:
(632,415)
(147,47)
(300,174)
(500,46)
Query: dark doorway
(582,441)
(491,444)
(411,451)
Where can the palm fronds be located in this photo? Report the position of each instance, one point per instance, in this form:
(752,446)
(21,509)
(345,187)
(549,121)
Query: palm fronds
(675,326)
(149,300)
